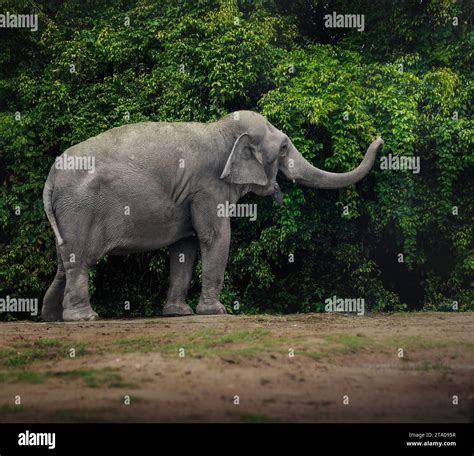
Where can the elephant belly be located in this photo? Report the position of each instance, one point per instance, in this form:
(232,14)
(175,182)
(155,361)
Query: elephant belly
(152,230)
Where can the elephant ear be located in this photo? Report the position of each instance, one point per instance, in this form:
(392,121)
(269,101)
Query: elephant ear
(245,164)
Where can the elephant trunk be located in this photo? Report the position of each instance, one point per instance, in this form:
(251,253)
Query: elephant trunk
(301,171)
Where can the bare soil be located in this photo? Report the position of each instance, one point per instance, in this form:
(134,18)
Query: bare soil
(241,369)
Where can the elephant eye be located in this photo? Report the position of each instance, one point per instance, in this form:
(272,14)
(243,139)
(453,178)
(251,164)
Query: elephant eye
(284,149)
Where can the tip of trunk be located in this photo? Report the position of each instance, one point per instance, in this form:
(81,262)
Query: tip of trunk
(310,176)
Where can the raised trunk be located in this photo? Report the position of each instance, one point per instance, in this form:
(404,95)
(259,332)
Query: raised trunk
(301,171)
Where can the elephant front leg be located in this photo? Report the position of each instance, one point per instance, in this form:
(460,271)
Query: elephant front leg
(214,252)
(182,258)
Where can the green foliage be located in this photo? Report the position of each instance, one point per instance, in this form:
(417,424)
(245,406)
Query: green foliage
(406,78)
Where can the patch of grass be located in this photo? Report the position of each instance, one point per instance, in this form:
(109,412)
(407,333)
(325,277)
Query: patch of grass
(222,343)
(136,344)
(25,376)
(244,336)
(48,343)
(312,354)
(348,343)
(95,378)
(209,342)
(31,376)
(253,342)
(251,418)
(15,359)
(417,342)
(39,350)
(9,408)
(218,337)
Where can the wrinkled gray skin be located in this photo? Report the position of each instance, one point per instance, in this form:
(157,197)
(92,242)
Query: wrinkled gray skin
(139,166)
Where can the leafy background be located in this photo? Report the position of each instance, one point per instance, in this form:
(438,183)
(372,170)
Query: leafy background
(407,77)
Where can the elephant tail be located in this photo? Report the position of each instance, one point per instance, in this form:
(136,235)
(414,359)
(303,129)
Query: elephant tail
(48,208)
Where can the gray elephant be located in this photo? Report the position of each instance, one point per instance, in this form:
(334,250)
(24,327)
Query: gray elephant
(157,184)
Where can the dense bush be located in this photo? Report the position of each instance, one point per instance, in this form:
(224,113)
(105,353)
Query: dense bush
(407,77)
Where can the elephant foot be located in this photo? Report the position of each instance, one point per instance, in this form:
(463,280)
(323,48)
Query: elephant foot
(214,308)
(176,310)
(84,314)
(52,315)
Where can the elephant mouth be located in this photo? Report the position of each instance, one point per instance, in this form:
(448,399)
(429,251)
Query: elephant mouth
(277,194)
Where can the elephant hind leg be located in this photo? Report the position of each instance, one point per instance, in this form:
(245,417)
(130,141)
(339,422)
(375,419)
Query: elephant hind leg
(53,299)
(182,258)
(76,305)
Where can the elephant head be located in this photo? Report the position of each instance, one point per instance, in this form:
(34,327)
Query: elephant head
(261,150)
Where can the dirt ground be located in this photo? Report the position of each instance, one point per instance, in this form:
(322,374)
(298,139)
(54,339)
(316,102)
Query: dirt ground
(297,368)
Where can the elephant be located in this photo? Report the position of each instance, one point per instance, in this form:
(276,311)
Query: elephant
(157,184)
